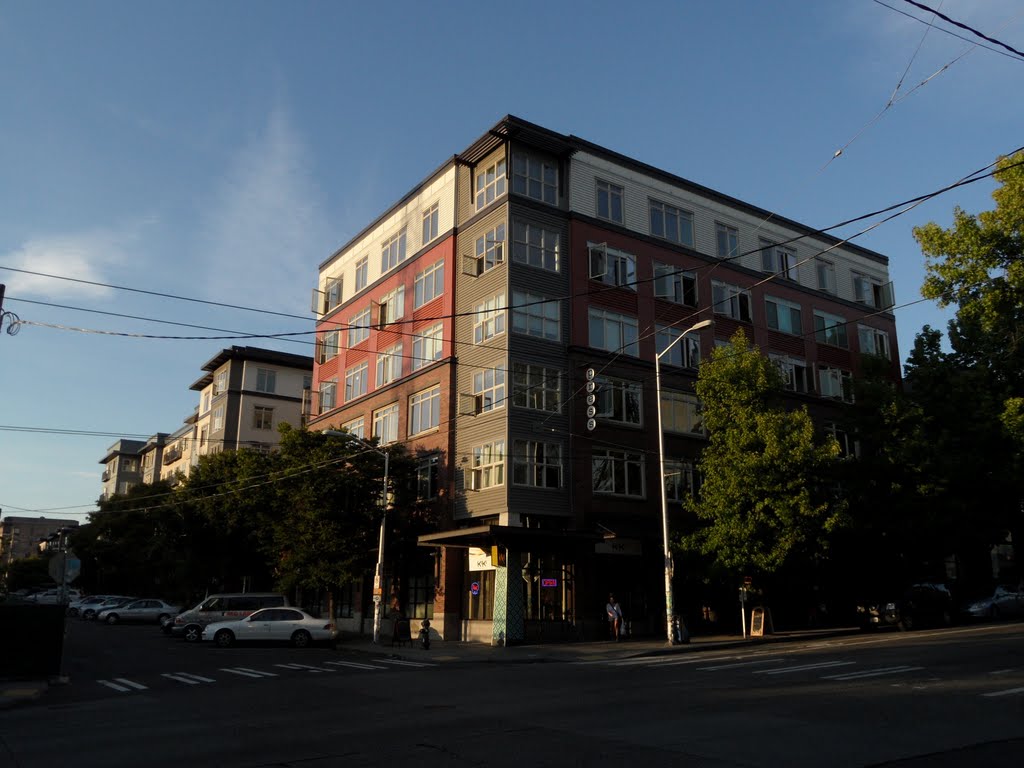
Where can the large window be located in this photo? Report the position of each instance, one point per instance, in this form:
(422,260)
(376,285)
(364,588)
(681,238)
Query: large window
(356,381)
(332,294)
(392,252)
(362,272)
(218,418)
(328,395)
(490,249)
(263,417)
(428,477)
(685,353)
(535,246)
(835,383)
(794,373)
(430,220)
(727,241)
(425,410)
(873,341)
(429,284)
(220,383)
(385,424)
(359,328)
(536,387)
(783,315)
(489,388)
(619,401)
(671,223)
(356,427)
(731,301)
(613,267)
(681,413)
(826,272)
(389,365)
(266,380)
(680,481)
(490,183)
(392,306)
(537,464)
(675,284)
(618,472)
(609,201)
(535,315)
(490,319)
(830,329)
(778,260)
(614,332)
(535,178)
(870,291)
(427,346)
(329,346)
(488,468)
(849,447)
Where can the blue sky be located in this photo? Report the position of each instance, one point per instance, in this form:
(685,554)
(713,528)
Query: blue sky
(222,150)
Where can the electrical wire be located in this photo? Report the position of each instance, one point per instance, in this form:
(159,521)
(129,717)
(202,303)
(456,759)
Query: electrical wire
(945,31)
(962,26)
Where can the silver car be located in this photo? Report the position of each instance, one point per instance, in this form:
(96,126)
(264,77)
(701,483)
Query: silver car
(1005,600)
(89,612)
(272,625)
(148,609)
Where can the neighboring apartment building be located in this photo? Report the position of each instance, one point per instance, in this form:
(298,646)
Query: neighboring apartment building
(151,455)
(122,467)
(463,322)
(19,536)
(178,450)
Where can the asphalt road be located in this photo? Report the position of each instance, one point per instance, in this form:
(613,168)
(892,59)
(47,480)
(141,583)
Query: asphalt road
(938,698)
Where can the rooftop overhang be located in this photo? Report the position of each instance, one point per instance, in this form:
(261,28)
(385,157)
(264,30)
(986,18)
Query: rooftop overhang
(515,538)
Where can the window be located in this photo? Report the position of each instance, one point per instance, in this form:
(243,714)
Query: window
(727,240)
(307,381)
(329,346)
(427,346)
(730,300)
(685,353)
(430,219)
(680,481)
(425,410)
(614,332)
(427,478)
(613,267)
(681,413)
(357,381)
(220,383)
(609,201)
(263,417)
(778,260)
(332,294)
(419,590)
(535,246)
(218,419)
(535,178)
(873,341)
(206,402)
(489,388)
(783,315)
(362,272)
(392,306)
(488,469)
(535,315)
(266,380)
(392,252)
(618,472)
(870,291)
(536,464)
(356,427)
(490,249)
(671,223)
(830,329)
(429,284)
(848,446)
(536,387)
(385,424)
(490,319)
(359,328)
(202,437)
(389,365)
(328,395)
(619,401)
(490,184)
(675,285)
(835,383)
(794,373)
(826,272)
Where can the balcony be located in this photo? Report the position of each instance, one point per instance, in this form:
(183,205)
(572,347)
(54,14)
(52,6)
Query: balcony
(106,475)
(172,455)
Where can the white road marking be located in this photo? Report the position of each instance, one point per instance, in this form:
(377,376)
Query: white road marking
(655,660)
(185,677)
(1009,692)
(402,663)
(739,664)
(803,668)
(246,672)
(115,686)
(871,673)
(300,667)
(129,683)
(311,668)
(354,665)
(1002,671)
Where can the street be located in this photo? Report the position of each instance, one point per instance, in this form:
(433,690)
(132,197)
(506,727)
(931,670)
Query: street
(935,698)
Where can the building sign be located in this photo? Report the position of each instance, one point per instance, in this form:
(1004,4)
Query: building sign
(619,547)
(549,582)
(474,588)
(479,560)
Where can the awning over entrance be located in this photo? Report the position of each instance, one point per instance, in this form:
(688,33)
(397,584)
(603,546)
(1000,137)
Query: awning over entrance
(536,540)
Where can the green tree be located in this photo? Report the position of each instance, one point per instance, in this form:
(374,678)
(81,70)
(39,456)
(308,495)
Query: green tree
(764,499)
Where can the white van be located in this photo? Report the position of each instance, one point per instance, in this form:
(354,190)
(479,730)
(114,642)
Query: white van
(222,607)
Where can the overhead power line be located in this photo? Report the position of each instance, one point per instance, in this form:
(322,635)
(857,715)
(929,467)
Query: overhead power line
(972,30)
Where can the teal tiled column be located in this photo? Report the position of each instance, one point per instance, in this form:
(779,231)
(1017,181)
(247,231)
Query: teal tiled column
(509,609)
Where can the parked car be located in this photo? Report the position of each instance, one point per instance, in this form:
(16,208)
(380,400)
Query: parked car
(54,596)
(149,609)
(223,607)
(89,612)
(921,605)
(272,625)
(1004,600)
(75,607)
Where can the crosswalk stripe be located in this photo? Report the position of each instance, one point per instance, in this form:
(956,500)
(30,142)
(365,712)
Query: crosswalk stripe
(871,673)
(300,667)
(402,663)
(803,668)
(115,686)
(184,677)
(245,673)
(1008,692)
(131,684)
(311,668)
(354,665)
(739,664)
(258,672)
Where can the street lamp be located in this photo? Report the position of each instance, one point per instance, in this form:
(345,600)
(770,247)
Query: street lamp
(378,576)
(669,608)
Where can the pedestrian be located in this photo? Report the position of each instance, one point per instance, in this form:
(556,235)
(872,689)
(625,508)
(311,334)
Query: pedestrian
(614,611)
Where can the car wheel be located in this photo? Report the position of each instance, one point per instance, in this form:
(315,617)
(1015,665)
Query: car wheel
(193,633)
(224,638)
(112,618)
(88,614)
(301,639)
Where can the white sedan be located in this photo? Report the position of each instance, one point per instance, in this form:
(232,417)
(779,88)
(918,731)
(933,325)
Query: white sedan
(272,625)
(150,610)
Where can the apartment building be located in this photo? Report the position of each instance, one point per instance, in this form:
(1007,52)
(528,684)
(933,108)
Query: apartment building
(522,290)
(19,536)
(122,467)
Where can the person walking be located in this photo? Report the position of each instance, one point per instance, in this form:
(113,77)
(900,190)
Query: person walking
(614,611)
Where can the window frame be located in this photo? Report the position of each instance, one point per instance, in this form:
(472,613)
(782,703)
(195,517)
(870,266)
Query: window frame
(838,329)
(358,374)
(490,183)
(681,282)
(362,272)
(393,251)
(731,236)
(359,327)
(492,470)
(629,459)
(614,396)
(386,417)
(825,275)
(426,401)
(779,260)
(431,219)
(611,266)
(489,322)
(794,373)
(874,335)
(737,300)
(666,211)
(529,471)
(778,305)
(428,285)
(677,468)
(329,385)
(682,404)
(527,307)
(630,346)
(263,417)
(391,306)
(526,391)
(489,249)
(524,249)
(428,472)
(266,380)
(523,180)
(838,378)
(356,427)
(424,342)
(607,193)
(389,365)
(330,344)
(489,388)
(685,354)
